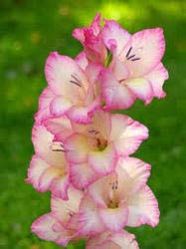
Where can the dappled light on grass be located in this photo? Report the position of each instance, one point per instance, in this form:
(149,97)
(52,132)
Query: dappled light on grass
(127,12)
(173,8)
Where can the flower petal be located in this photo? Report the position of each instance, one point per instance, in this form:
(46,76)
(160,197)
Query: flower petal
(119,124)
(141,88)
(43,227)
(83,114)
(59,106)
(136,169)
(89,220)
(43,144)
(115,95)
(44,177)
(60,127)
(81,175)
(59,187)
(143,208)
(44,105)
(92,72)
(114,219)
(118,240)
(77,148)
(36,169)
(127,134)
(103,162)
(47,227)
(65,209)
(81,60)
(48,178)
(101,123)
(45,98)
(97,242)
(114,36)
(119,69)
(125,240)
(157,77)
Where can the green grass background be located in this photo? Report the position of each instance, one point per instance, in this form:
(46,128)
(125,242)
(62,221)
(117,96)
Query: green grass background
(29,30)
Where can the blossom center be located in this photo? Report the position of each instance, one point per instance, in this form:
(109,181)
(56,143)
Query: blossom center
(113,201)
(131,56)
(113,204)
(97,140)
(101,144)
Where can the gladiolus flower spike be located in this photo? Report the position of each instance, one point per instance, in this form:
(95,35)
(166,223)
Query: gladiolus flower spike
(83,151)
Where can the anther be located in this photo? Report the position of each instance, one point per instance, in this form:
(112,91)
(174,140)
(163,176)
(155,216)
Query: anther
(128,53)
(75,80)
(120,81)
(135,59)
(130,57)
(57,147)
(94,132)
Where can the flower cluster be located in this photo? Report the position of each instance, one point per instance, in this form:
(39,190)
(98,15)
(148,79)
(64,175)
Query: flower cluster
(83,149)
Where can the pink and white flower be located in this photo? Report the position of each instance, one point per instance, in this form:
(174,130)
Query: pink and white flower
(136,71)
(60,225)
(118,240)
(82,151)
(47,95)
(48,168)
(119,199)
(72,90)
(92,150)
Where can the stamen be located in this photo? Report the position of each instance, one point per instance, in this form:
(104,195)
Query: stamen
(128,53)
(98,142)
(113,204)
(128,58)
(75,80)
(136,59)
(131,57)
(71,213)
(101,144)
(113,198)
(120,81)
(57,147)
(93,131)
(115,185)
(57,150)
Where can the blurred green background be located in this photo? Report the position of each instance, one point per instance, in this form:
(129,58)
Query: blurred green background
(29,30)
